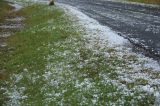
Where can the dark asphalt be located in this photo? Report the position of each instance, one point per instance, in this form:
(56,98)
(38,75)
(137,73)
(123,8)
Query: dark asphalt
(138,23)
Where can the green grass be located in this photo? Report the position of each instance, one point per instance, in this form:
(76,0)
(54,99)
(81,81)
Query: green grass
(147,1)
(49,64)
(28,40)
(23,46)
(4,11)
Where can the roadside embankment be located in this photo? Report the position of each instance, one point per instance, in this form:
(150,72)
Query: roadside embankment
(63,57)
(147,1)
(10,23)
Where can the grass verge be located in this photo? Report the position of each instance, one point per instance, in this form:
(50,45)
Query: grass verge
(147,1)
(49,64)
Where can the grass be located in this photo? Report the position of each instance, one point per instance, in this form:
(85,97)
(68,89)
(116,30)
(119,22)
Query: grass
(4,11)
(29,47)
(49,64)
(147,1)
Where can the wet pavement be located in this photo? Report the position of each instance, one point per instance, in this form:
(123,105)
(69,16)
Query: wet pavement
(140,24)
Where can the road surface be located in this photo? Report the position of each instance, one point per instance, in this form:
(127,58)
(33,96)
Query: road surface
(138,23)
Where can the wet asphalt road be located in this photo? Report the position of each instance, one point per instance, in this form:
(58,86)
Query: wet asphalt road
(138,23)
